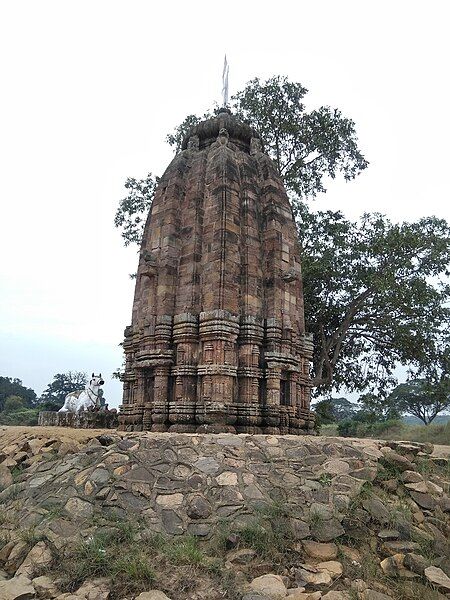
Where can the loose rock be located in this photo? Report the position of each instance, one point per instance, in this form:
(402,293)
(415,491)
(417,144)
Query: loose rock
(270,585)
(437,577)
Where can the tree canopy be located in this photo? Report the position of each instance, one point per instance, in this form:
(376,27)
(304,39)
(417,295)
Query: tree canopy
(63,383)
(428,396)
(13,387)
(306,146)
(375,295)
(333,410)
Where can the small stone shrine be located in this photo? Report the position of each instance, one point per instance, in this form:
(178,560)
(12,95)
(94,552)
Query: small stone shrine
(217,341)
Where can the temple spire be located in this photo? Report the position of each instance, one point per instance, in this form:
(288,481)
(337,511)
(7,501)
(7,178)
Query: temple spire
(225,81)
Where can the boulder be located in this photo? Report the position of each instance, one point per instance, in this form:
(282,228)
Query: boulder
(391,565)
(78,508)
(310,575)
(388,534)
(152,595)
(411,477)
(416,563)
(373,595)
(37,558)
(300,529)
(419,486)
(423,500)
(320,550)
(45,587)
(438,578)
(327,530)
(96,589)
(270,585)
(335,595)
(17,588)
(6,478)
(16,557)
(333,567)
(397,460)
(400,546)
(376,509)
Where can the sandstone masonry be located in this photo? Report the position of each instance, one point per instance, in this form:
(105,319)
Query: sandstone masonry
(217,340)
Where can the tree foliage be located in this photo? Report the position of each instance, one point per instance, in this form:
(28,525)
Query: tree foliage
(374,408)
(133,209)
(333,410)
(13,403)
(13,387)
(375,295)
(425,397)
(306,146)
(55,393)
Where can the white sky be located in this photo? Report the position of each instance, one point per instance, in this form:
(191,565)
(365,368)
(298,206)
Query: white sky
(89,90)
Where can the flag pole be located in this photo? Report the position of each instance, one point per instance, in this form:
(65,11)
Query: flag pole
(225,82)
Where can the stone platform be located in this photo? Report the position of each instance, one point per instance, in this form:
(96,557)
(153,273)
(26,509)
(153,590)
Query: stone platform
(82,420)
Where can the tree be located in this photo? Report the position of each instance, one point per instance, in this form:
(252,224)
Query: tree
(13,403)
(333,410)
(374,408)
(133,209)
(306,146)
(324,412)
(63,383)
(428,396)
(14,387)
(373,296)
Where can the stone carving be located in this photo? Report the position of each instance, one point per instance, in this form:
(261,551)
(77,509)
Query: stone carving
(87,399)
(217,340)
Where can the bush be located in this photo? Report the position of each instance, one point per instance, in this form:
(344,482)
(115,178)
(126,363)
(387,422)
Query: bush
(25,416)
(358,428)
(13,403)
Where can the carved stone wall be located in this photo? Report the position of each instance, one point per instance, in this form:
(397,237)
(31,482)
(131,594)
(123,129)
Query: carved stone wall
(217,341)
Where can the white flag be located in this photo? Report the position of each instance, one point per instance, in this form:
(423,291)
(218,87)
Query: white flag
(225,81)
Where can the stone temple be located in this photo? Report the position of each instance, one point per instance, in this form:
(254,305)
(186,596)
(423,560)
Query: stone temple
(217,340)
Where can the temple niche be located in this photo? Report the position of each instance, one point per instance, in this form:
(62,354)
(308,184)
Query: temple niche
(217,340)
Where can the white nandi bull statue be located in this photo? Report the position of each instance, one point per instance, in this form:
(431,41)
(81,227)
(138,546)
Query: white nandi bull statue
(86,399)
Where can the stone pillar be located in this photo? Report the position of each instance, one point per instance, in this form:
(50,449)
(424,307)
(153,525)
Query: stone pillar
(217,371)
(161,403)
(184,373)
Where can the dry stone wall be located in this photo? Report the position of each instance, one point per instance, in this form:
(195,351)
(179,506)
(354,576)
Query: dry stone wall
(330,495)
(189,482)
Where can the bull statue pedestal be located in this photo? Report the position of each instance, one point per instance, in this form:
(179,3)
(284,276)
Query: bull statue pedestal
(81,420)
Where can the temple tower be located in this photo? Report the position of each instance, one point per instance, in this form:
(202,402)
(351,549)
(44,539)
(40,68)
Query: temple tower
(217,340)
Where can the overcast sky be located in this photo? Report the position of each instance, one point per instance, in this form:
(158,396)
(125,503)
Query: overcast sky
(89,90)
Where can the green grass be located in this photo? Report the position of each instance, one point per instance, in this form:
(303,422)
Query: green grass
(127,564)
(185,551)
(396,430)
(268,532)
(325,479)
(30,536)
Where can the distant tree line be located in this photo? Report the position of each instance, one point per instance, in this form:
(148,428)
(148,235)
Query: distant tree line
(20,405)
(417,397)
